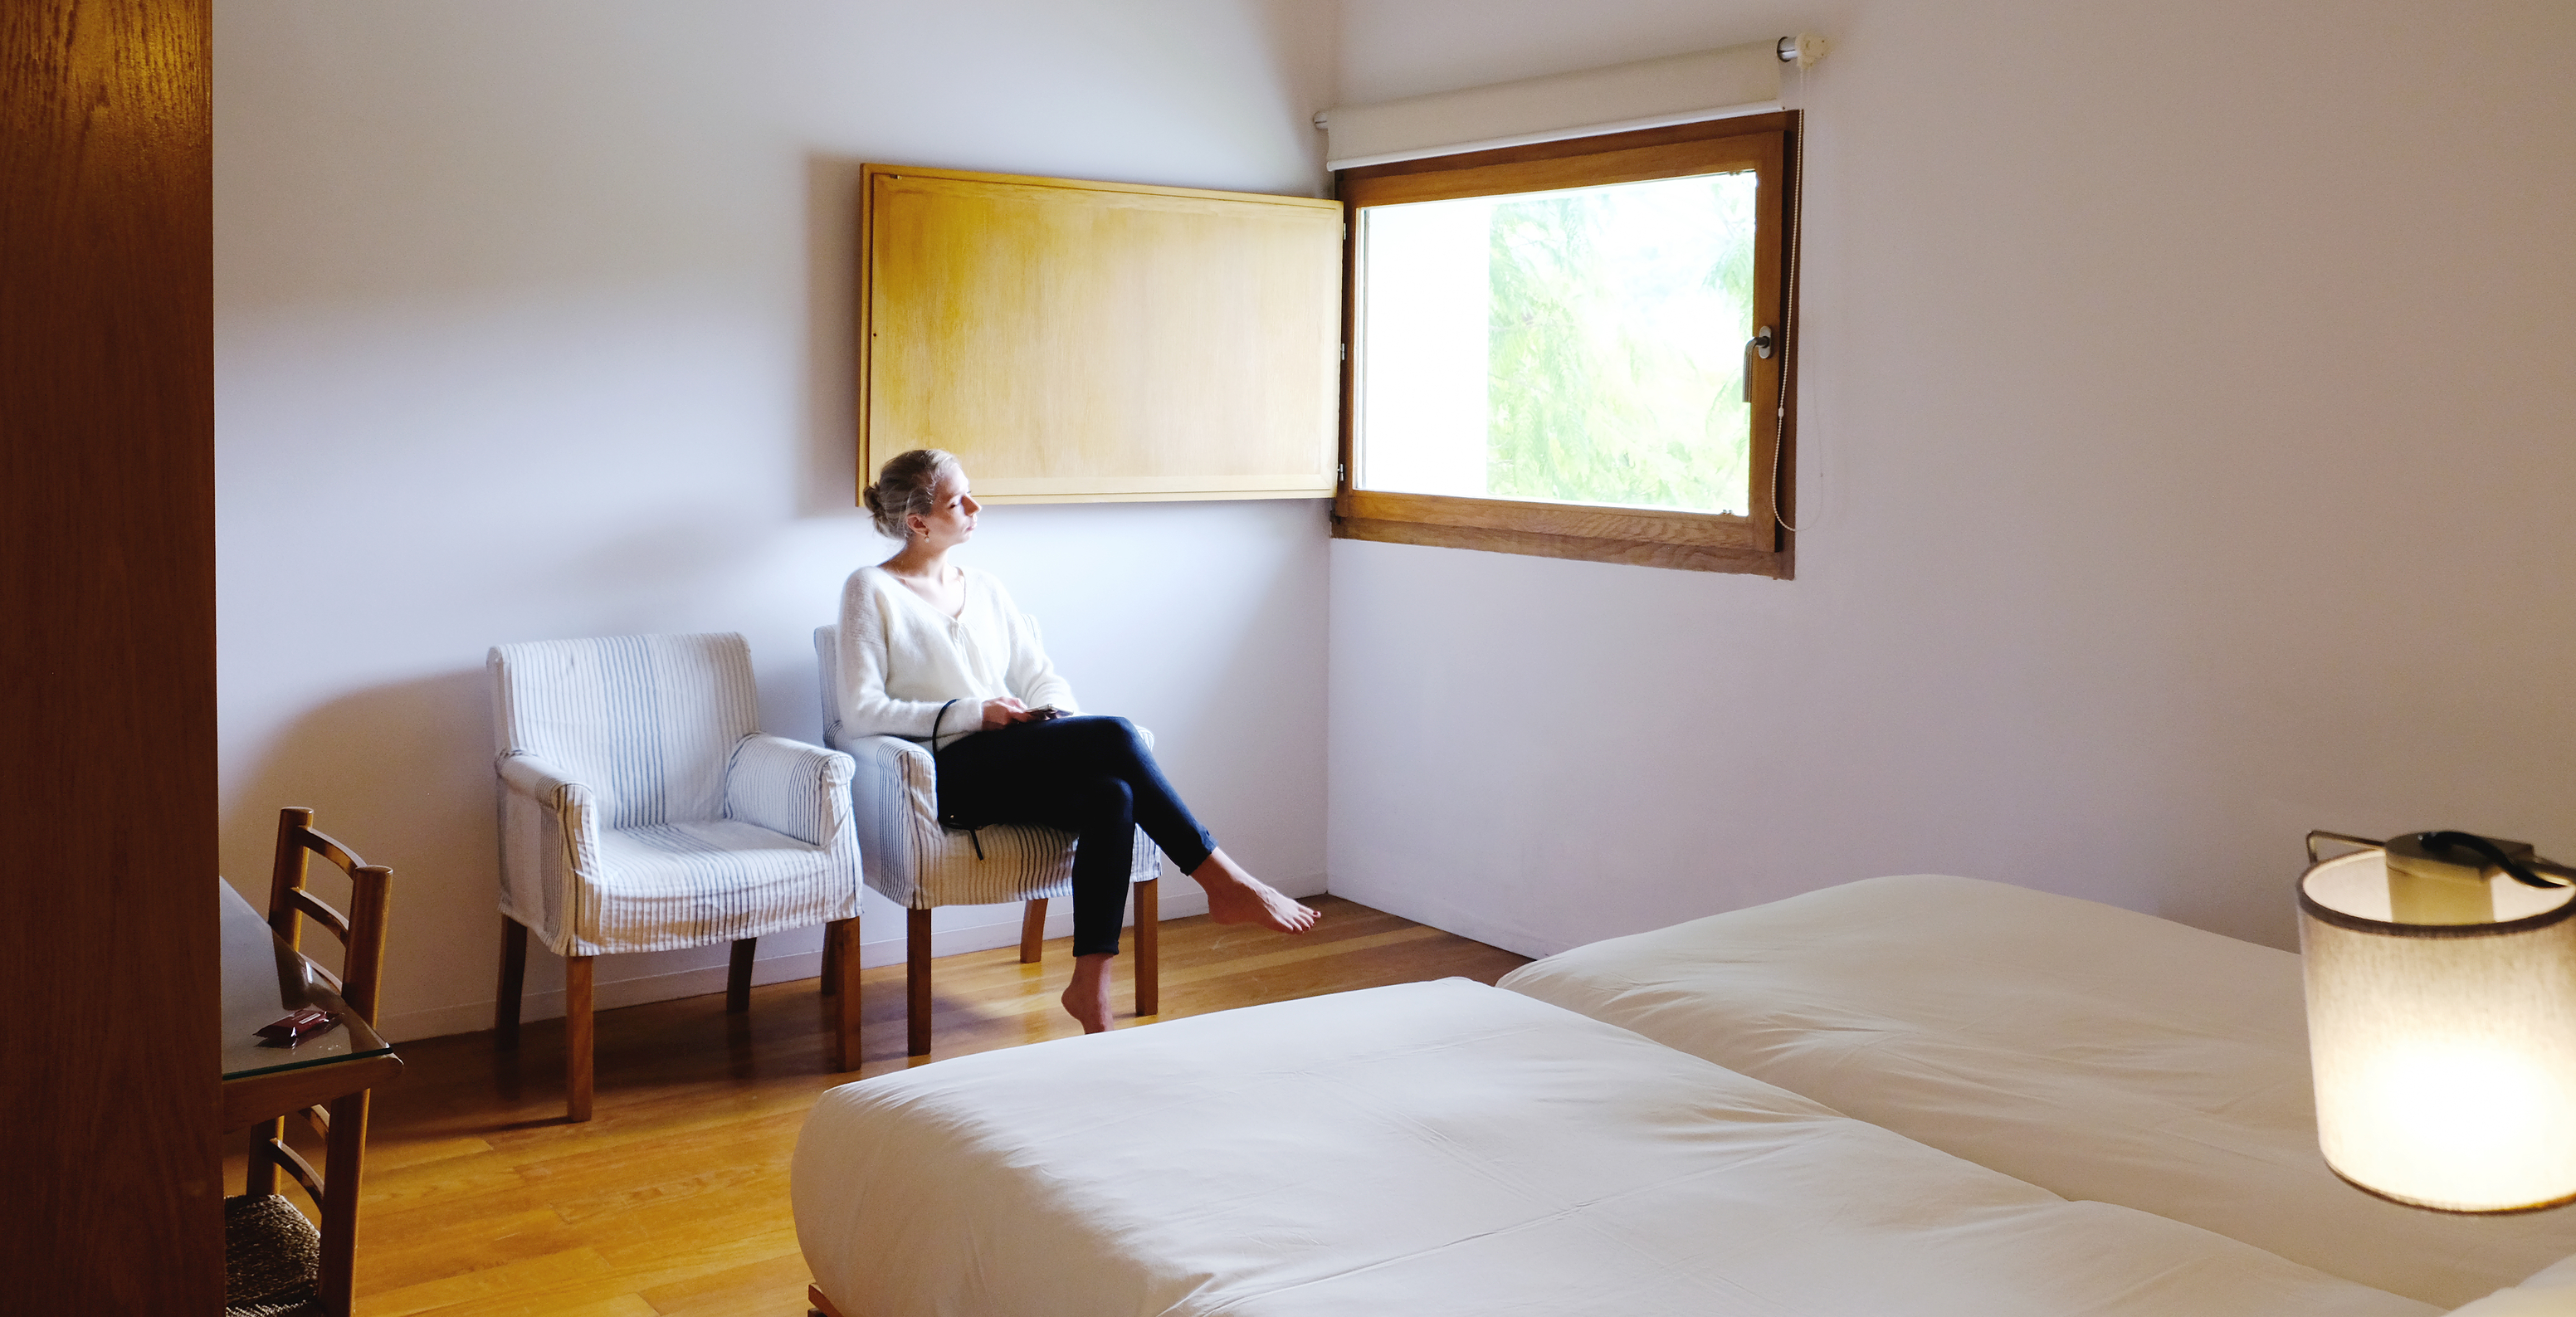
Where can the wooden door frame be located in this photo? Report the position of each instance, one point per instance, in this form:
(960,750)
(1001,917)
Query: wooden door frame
(108,806)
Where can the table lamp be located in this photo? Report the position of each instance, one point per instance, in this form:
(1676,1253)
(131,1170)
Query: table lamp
(2441,979)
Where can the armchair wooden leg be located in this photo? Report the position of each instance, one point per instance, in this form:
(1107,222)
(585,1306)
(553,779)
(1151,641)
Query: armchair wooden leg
(514,977)
(577,1037)
(841,983)
(738,978)
(1033,931)
(916,982)
(1149,960)
(340,1189)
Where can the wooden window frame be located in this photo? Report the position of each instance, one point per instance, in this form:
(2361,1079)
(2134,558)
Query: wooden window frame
(1758,543)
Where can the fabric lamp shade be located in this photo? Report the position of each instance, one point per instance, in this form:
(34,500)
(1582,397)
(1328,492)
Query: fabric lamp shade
(2444,1052)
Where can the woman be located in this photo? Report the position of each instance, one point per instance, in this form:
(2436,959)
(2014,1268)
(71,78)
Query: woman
(937,652)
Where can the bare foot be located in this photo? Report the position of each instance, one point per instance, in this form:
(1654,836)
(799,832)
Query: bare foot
(1236,897)
(1086,999)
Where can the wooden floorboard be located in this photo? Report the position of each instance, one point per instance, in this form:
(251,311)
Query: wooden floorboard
(672,1199)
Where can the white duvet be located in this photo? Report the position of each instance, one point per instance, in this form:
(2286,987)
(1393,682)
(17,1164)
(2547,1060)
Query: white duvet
(2092,1051)
(1441,1148)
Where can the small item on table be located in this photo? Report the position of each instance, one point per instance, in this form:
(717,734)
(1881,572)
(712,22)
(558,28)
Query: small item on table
(304,1023)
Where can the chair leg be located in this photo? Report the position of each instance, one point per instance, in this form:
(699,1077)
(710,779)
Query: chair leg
(577,1037)
(738,978)
(514,978)
(340,1189)
(1033,931)
(1149,960)
(841,983)
(259,1175)
(916,982)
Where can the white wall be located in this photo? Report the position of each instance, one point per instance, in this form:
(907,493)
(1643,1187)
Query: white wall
(2189,438)
(533,321)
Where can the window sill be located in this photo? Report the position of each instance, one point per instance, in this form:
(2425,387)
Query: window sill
(1686,541)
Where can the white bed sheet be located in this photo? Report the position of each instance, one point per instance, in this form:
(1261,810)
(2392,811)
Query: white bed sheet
(2092,1051)
(1443,1148)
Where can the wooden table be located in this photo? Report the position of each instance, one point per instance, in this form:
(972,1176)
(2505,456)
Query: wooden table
(266,980)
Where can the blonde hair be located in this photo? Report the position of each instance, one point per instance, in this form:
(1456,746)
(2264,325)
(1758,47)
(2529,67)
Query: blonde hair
(905,486)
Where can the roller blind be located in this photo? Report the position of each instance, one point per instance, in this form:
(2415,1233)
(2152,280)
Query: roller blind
(1709,84)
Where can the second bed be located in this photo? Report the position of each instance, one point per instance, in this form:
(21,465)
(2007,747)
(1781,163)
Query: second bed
(2093,1051)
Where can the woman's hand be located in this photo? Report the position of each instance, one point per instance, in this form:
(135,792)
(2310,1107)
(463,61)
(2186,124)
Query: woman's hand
(1004,712)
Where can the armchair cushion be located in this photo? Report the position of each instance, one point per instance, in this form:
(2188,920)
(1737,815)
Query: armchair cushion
(672,885)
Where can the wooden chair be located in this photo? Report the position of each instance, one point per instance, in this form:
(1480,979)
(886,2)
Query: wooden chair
(914,862)
(343,1123)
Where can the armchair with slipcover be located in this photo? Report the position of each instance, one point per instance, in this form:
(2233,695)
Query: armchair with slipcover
(918,864)
(641,809)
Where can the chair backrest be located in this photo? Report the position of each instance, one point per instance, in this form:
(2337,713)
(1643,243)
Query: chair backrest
(648,723)
(329,1261)
(827,662)
(361,931)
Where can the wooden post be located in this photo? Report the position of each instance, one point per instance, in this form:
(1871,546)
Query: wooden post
(259,1177)
(514,979)
(577,1037)
(1149,958)
(841,981)
(362,963)
(738,977)
(1033,931)
(916,982)
(287,874)
(347,1145)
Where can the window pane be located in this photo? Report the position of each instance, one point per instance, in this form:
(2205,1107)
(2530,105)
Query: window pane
(1584,346)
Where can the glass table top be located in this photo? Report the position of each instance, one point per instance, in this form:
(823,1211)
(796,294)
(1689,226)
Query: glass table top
(265,981)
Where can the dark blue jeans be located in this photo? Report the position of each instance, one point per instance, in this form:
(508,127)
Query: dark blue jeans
(1090,776)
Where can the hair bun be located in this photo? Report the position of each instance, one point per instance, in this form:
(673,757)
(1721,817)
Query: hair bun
(904,488)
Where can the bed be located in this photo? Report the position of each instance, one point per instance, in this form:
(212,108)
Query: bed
(2091,1051)
(1440,1148)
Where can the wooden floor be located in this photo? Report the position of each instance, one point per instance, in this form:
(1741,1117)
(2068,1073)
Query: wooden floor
(673,1198)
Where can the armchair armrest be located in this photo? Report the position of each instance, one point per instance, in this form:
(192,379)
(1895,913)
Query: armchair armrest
(897,778)
(790,787)
(878,753)
(550,829)
(542,782)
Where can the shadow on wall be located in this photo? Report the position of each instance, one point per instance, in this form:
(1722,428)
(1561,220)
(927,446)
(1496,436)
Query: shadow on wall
(402,775)
(830,453)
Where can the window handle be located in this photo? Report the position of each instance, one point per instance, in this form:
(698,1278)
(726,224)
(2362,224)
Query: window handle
(1759,345)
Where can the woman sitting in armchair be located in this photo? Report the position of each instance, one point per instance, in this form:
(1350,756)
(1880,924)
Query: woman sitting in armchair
(937,652)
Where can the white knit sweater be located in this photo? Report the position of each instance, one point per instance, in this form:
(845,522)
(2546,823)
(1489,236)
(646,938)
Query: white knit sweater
(901,658)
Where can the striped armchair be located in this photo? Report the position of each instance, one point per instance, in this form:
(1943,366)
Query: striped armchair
(641,809)
(919,865)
